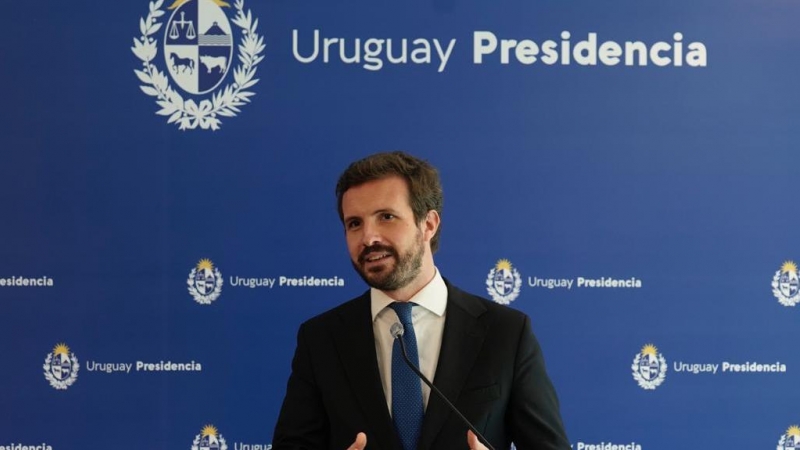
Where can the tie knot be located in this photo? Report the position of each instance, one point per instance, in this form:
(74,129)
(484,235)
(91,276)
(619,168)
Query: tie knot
(403,310)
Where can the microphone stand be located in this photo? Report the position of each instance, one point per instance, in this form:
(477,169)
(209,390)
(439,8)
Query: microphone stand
(439,393)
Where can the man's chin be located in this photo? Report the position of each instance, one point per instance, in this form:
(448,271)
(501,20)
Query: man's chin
(381,280)
(377,280)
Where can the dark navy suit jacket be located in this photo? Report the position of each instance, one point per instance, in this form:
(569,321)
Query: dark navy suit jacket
(490,366)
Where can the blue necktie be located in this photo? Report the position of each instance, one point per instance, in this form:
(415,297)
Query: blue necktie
(407,410)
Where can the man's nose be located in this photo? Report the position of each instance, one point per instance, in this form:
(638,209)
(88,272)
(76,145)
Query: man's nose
(371,235)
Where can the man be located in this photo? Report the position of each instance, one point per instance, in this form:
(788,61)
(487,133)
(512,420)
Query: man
(348,385)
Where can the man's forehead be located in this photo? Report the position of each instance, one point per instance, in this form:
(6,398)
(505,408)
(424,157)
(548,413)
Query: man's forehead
(384,193)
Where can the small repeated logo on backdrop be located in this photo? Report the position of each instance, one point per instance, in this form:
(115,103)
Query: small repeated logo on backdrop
(209,439)
(205,282)
(61,367)
(786,284)
(197,55)
(790,440)
(503,283)
(649,367)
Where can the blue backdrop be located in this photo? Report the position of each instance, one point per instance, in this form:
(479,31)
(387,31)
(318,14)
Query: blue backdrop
(653,143)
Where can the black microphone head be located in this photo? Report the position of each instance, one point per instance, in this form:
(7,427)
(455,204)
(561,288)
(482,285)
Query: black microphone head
(397,330)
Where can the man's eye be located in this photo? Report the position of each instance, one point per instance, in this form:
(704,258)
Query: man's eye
(352,224)
(387,216)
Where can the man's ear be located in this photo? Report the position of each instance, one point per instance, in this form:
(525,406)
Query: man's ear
(430,224)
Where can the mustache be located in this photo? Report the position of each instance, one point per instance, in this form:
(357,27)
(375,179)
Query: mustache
(376,248)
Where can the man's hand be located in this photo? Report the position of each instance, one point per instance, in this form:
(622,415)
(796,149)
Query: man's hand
(473,442)
(360,442)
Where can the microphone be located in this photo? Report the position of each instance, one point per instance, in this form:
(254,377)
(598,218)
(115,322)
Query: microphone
(397,331)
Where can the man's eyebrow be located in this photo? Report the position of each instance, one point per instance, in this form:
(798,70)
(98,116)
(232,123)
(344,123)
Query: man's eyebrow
(373,213)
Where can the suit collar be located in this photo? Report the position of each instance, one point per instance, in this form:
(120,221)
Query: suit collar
(433,297)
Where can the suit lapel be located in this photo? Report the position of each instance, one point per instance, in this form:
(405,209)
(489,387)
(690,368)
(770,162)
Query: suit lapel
(461,343)
(356,346)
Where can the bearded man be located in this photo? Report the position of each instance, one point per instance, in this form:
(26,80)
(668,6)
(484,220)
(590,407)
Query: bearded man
(350,389)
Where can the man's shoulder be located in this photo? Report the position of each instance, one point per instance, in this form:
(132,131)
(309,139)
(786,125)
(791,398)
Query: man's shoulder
(478,306)
(349,310)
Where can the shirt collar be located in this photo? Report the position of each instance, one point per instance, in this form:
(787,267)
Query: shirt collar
(432,297)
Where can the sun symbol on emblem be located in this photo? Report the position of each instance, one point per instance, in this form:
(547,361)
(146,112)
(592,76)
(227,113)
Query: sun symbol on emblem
(209,439)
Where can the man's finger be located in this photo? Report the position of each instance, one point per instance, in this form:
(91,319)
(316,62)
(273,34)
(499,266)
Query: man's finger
(360,443)
(473,443)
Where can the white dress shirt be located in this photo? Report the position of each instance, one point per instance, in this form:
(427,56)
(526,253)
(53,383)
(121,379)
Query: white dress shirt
(428,320)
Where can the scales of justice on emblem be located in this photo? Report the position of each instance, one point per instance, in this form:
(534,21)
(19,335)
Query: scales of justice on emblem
(649,367)
(61,367)
(197,54)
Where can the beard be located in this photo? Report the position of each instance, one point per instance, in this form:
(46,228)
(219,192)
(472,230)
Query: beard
(407,266)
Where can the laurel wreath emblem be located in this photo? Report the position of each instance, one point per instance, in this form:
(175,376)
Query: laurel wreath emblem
(647,384)
(782,299)
(225,102)
(205,299)
(222,444)
(60,384)
(496,296)
(781,443)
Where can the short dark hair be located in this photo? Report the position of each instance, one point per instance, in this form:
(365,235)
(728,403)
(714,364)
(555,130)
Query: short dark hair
(424,186)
